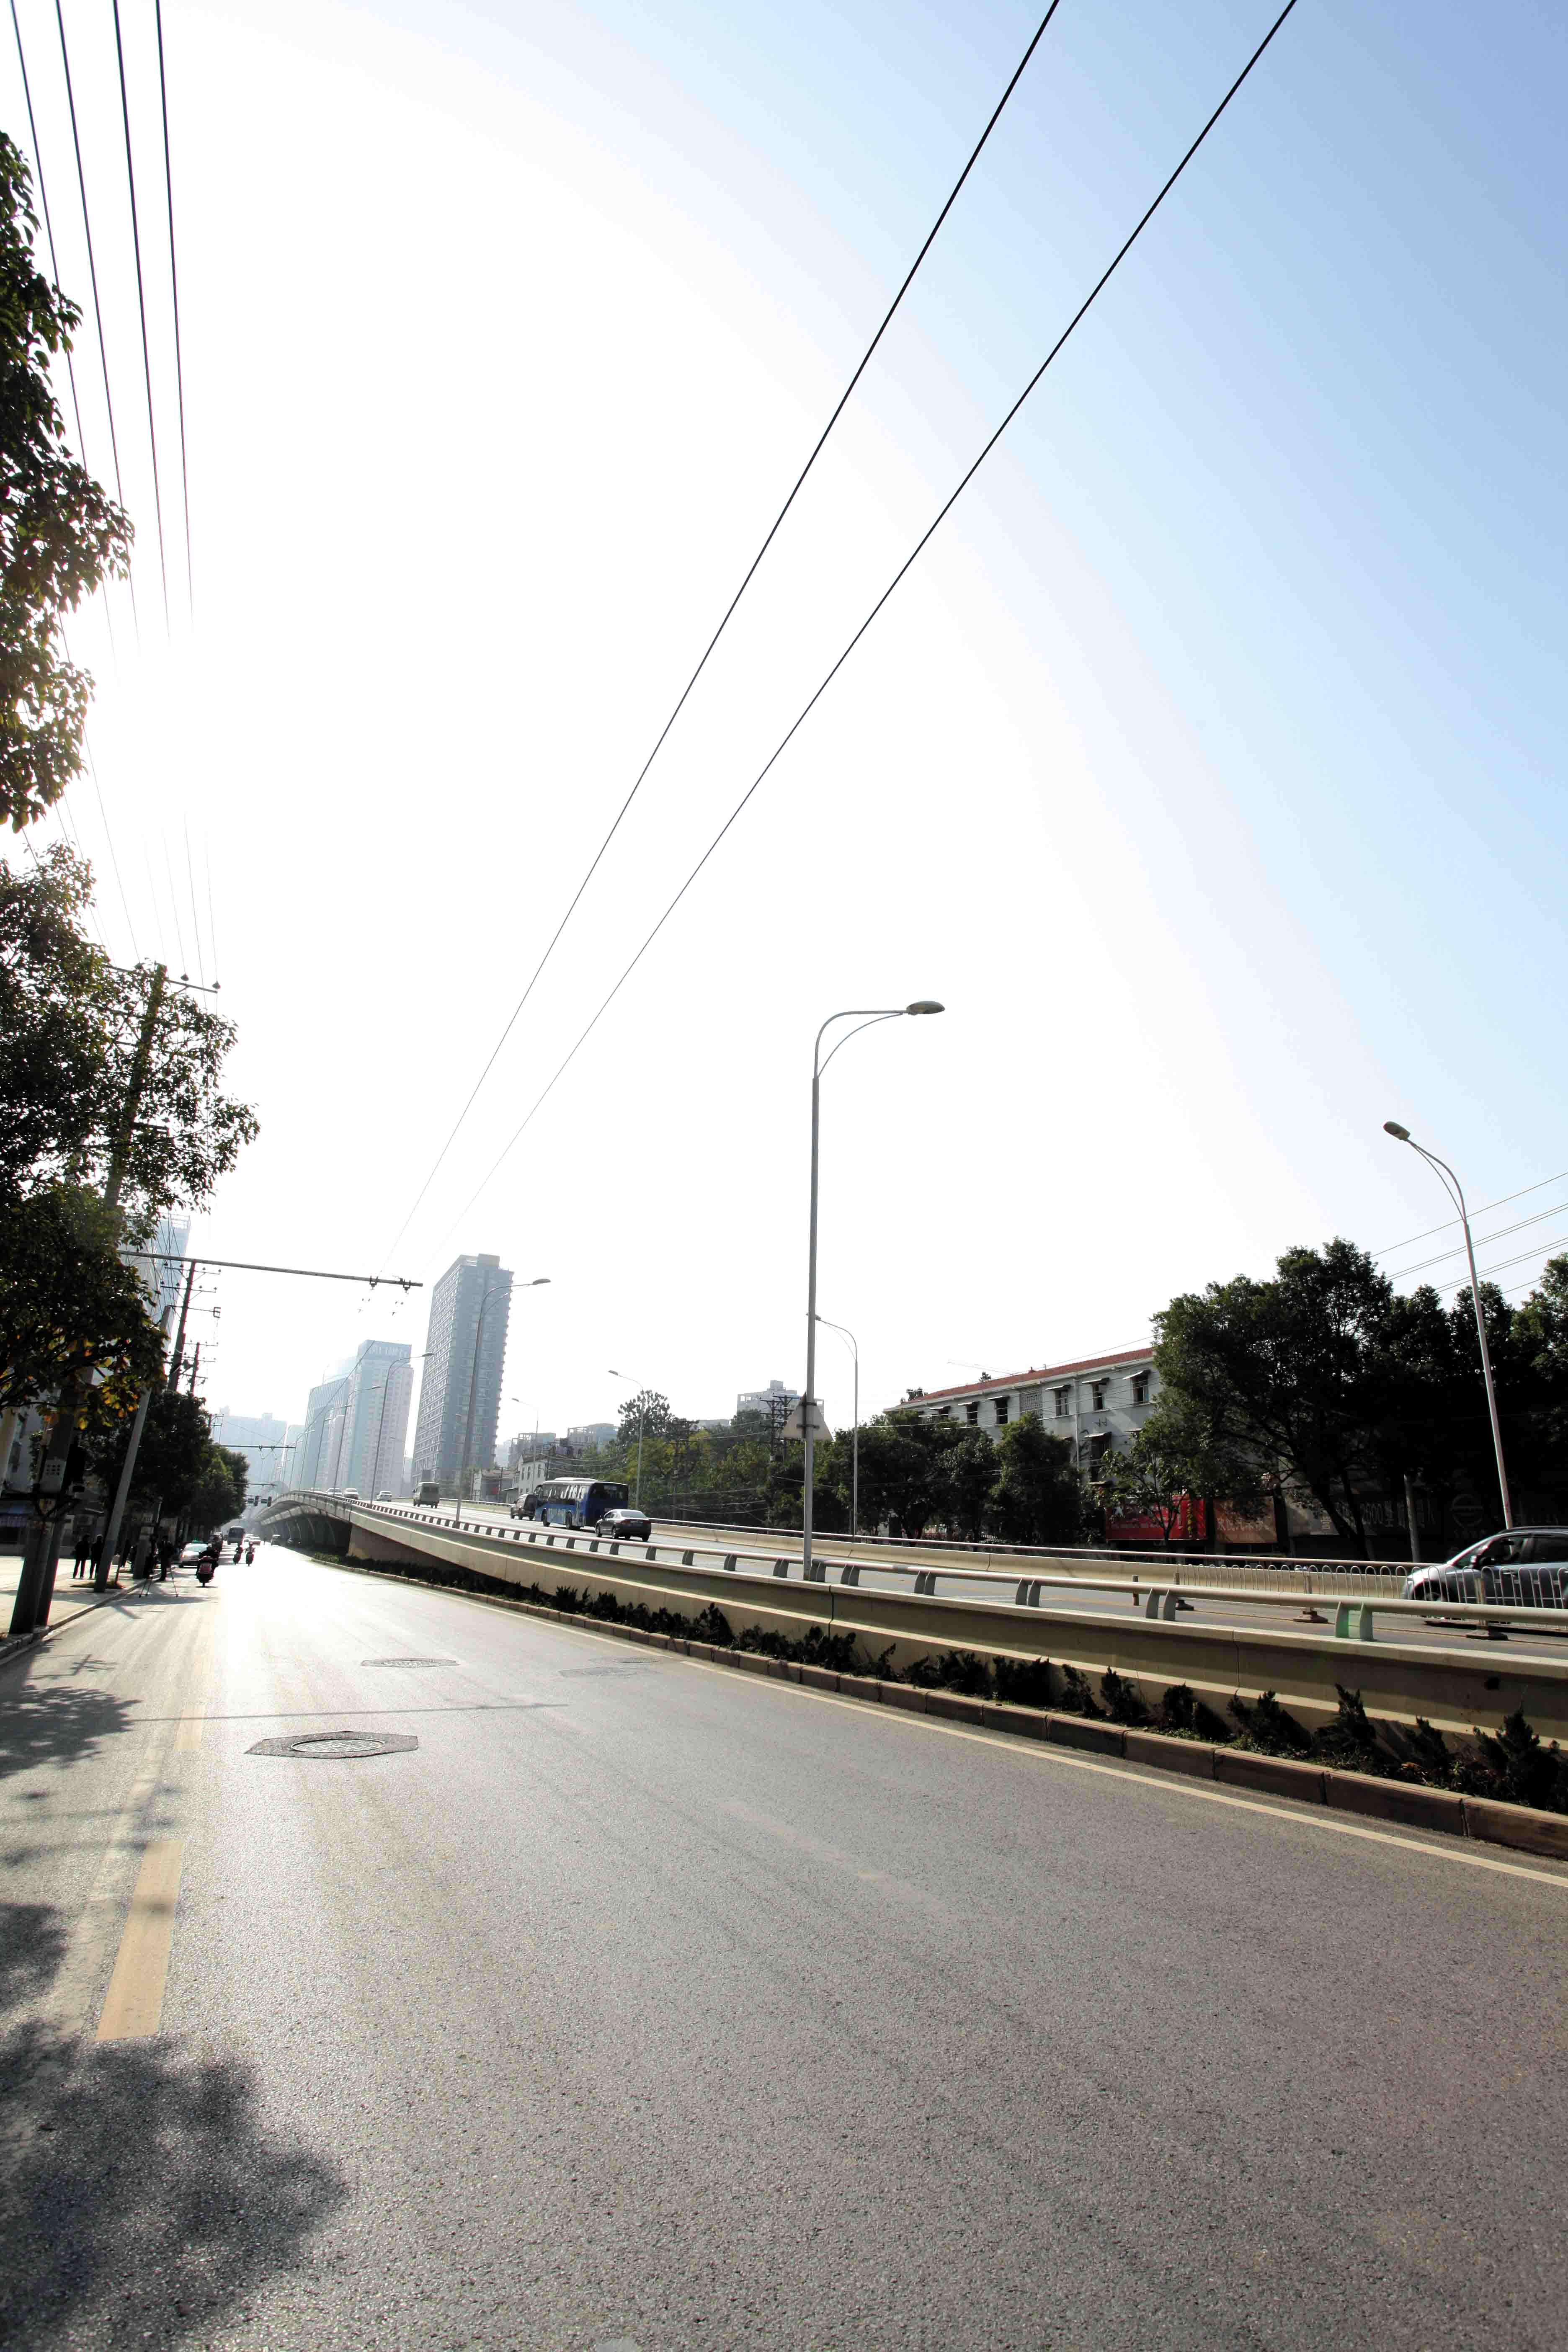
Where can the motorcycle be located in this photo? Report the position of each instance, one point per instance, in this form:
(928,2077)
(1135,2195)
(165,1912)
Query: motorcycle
(204,1570)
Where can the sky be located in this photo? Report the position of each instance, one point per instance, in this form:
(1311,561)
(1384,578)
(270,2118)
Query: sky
(1204,766)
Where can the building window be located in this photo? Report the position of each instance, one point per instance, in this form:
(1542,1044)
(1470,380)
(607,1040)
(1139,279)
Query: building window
(1140,1388)
(971,1412)
(1064,1403)
(1098,1391)
(1003,1408)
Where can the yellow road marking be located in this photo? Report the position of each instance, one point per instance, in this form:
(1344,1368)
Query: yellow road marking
(134,2003)
(188,1736)
(69,2004)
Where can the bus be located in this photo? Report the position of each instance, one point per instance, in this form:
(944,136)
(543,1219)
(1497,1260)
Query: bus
(577,1502)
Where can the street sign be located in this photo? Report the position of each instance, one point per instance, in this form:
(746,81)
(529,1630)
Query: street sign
(795,1425)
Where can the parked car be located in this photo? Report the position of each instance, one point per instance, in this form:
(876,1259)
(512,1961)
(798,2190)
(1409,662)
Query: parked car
(626,1524)
(427,1495)
(1527,1568)
(195,1551)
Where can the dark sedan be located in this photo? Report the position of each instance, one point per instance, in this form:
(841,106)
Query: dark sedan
(625,1525)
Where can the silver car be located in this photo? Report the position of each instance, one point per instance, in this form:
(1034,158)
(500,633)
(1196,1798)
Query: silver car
(1527,1568)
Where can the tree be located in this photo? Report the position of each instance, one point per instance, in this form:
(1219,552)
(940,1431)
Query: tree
(1038,1496)
(969,1470)
(1177,1453)
(61,534)
(219,1492)
(647,1415)
(178,1467)
(68,1029)
(72,1310)
(1291,1371)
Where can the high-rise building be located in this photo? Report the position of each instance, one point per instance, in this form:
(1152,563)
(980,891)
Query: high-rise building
(460,1399)
(356,1423)
(375,1410)
(261,1439)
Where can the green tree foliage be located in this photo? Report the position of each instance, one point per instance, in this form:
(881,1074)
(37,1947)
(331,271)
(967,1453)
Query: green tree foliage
(69,1026)
(69,1031)
(177,1465)
(1038,1496)
(1177,1452)
(61,534)
(69,1305)
(648,1412)
(1326,1380)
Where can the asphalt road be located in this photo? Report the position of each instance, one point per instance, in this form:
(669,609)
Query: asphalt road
(647,2004)
(1080,1599)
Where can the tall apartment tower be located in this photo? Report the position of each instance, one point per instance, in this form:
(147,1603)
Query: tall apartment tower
(460,1403)
(381,1388)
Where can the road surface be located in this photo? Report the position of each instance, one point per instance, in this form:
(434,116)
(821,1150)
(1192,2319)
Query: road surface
(643,2003)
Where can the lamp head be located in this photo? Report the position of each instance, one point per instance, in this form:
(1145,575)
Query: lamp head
(1400,1134)
(925,1004)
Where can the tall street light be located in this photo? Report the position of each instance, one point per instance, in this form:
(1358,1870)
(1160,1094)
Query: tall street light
(867,1017)
(492,1290)
(845,1333)
(642,1423)
(1455,1193)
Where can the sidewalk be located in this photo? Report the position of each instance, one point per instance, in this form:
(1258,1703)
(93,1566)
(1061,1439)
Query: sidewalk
(72,1597)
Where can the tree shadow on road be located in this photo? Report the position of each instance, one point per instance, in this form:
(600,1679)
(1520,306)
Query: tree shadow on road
(44,1723)
(141,2199)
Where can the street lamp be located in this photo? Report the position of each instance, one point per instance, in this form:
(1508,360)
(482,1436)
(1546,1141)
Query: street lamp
(845,1333)
(492,1291)
(1455,1193)
(642,1423)
(867,1017)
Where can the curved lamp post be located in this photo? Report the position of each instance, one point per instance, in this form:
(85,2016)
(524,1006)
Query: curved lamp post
(845,1333)
(1452,1186)
(866,1017)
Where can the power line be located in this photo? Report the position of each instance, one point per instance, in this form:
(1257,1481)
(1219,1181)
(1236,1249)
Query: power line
(108,837)
(96,305)
(925,540)
(1449,1222)
(48,224)
(1401,1274)
(729,613)
(1486,1272)
(141,307)
(174,288)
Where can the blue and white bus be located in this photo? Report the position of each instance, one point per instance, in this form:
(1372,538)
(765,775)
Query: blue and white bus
(577,1502)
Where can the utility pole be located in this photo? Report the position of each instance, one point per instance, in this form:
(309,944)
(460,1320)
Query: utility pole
(178,1364)
(36,1586)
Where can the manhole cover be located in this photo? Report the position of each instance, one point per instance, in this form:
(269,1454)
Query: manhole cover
(337,1746)
(408,1662)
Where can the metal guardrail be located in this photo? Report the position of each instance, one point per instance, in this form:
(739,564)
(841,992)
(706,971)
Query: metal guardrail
(1164,1597)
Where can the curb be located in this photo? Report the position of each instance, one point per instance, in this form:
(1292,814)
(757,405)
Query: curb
(1407,1804)
(15,1644)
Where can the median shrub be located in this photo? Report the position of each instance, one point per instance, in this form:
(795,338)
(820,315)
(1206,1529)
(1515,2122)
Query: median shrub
(955,1670)
(1515,1766)
(1124,1700)
(1268,1728)
(1024,1682)
(1077,1698)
